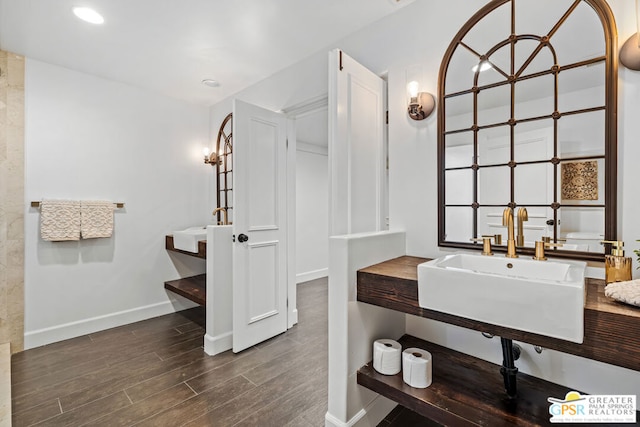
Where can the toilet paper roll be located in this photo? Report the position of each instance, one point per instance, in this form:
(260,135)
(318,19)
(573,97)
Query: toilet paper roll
(416,367)
(387,356)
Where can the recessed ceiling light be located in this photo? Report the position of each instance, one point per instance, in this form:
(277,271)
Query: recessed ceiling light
(211,83)
(88,15)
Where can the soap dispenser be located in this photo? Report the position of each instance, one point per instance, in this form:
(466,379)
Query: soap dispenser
(617,266)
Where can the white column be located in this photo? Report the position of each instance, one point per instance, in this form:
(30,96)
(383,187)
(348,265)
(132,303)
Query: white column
(354,326)
(219,336)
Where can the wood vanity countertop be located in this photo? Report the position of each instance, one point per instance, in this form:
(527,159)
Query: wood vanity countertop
(612,329)
(202,247)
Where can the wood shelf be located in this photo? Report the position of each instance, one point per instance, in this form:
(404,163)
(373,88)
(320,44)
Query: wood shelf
(611,329)
(202,247)
(465,391)
(192,288)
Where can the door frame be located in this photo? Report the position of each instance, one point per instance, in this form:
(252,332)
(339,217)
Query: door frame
(293,112)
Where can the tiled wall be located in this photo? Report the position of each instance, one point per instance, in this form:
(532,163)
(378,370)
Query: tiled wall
(12,200)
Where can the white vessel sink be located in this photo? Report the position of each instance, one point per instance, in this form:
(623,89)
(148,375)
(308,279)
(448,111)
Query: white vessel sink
(187,240)
(543,297)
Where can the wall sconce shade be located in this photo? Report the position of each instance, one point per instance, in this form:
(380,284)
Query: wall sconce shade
(211,158)
(421,105)
(630,51)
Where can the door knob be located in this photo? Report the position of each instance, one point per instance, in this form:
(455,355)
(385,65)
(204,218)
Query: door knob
(243,238)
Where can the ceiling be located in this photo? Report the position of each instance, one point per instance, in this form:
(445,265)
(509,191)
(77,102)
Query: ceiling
(169,46)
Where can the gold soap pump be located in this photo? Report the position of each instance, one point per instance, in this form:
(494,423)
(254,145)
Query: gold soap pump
(617,266)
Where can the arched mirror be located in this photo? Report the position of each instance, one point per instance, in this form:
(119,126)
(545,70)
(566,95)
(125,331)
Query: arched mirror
(224,170)
(527,119)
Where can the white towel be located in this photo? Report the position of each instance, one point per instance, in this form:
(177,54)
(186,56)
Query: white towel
(97,218)
(60,220)
(627,292)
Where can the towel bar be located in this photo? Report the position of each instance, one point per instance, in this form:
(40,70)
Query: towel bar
(119,205)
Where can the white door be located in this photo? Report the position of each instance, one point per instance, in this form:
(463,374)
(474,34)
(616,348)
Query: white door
(260,225)
(357,151)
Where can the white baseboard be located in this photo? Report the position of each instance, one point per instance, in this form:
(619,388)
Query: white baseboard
(370,416)
(312,275)
(218,344)
(66,331)
(293,320)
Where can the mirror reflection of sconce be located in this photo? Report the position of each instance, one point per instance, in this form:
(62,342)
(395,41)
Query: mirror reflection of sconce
(211,158)
(421,104)
(483,65)
(630,51)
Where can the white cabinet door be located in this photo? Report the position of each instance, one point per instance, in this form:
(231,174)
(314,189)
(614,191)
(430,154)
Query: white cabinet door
(357,151)
(260,225)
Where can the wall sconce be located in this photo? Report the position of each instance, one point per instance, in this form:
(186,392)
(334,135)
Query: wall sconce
(211,158)
(630,52)
(421,104)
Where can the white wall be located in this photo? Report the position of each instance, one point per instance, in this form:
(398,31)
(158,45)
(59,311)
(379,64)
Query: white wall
(312,212)
(89,138)
(419,35)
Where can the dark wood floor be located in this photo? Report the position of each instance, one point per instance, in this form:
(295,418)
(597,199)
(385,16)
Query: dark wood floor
(403,417)
(155,373)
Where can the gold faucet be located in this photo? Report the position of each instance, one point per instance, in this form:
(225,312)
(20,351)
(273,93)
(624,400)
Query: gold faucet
(522,217)
(541,246)
(225,219)
(507,221)
(486,245)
